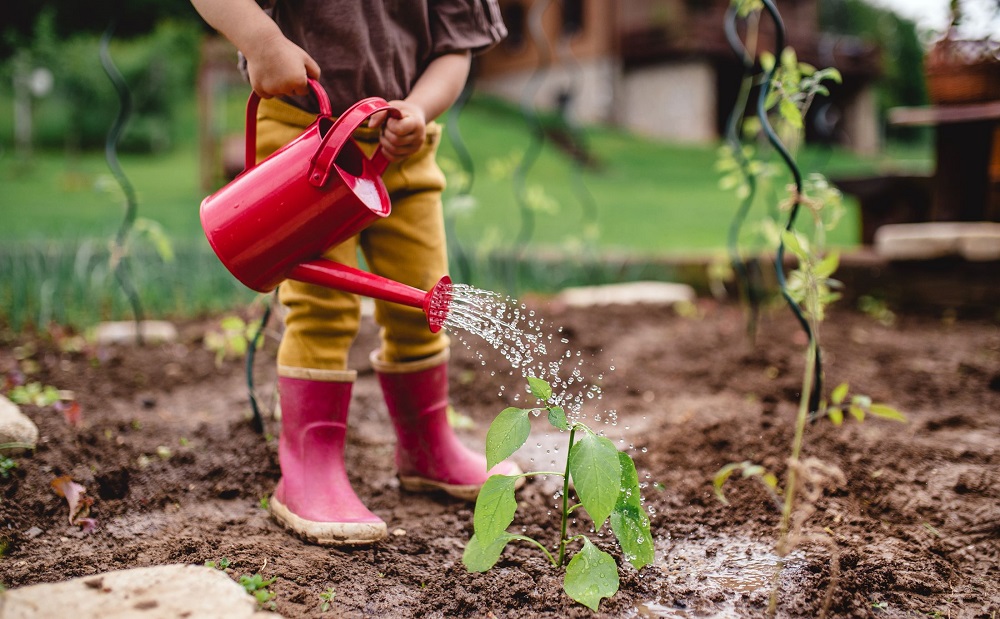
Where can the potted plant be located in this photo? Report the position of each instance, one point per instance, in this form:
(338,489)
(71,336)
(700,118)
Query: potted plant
(961,68)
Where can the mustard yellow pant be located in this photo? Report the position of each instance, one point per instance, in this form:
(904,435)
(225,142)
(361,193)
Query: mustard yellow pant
(408,246)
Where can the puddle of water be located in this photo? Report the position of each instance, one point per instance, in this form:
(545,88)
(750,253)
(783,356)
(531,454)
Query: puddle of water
(719,571)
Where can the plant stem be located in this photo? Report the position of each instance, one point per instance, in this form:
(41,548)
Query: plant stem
(565,502)
(525,538)
(800,428)
(791,479)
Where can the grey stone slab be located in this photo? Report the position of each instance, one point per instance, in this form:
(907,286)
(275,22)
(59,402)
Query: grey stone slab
(973,241)
(655,293)
(124,332)
(161,592)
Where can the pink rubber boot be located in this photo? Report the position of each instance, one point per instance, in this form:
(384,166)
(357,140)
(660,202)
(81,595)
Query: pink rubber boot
(314,498)
(429,456)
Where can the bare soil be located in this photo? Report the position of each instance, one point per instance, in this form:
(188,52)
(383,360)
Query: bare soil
(166,448)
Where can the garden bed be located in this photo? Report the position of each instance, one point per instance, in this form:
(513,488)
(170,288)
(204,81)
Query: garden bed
(166,448)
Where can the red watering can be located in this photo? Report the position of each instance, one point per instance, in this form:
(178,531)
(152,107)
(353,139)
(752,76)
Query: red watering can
(276,219)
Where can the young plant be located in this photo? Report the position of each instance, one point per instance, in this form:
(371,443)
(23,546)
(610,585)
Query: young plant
(8,464)
(789,88)
(231,340)
(603,478)
(222,564)
(326,599)
(258,587)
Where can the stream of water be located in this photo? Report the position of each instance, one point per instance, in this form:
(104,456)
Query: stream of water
(532,347)
(722,568)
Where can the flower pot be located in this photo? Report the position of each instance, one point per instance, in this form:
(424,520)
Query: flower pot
(962,71)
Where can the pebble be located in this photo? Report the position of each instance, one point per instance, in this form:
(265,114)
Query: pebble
(15,426)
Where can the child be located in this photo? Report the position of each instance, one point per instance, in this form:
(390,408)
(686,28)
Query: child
(415,54)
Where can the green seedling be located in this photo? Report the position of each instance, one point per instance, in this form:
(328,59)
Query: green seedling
(788,89)
(605,482)
(35,394)
(230,340)
(257,586)
(8,464)
(327,598)
(221,564)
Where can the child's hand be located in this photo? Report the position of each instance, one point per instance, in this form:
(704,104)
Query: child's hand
(403,136)
(277,66)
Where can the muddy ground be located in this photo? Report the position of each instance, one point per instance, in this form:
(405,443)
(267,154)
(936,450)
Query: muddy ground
(166,448)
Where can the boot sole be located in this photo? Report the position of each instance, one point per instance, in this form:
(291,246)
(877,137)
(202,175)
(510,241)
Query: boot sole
(328,533)
(413,483)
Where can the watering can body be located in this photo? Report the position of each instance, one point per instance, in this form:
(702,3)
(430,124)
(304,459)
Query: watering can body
(312,194)
(276,219)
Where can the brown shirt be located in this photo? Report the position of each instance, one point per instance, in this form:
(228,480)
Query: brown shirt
(369,48)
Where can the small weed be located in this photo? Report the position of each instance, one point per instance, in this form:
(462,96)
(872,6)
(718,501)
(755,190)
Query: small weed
(221,564)
(6,466)
(231,340)
(34,393)
(877,309)
(880,605)
(258,587)
(265,503)
(326,597)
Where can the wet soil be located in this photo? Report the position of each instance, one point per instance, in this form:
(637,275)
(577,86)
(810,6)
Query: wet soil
(166,448)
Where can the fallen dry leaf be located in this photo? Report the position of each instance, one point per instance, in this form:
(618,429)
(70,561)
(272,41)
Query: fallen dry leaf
(79,503)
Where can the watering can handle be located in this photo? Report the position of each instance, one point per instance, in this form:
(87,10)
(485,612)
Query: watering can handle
(251,127)
(346,124)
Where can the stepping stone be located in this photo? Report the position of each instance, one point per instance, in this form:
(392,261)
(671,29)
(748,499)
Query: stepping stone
(974,241)
(654,293)
(124,332)
(161,592)
(15,426)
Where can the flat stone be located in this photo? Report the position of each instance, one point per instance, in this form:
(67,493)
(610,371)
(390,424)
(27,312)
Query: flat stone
(654,293)
(124,332)
(161,592)
(15,426)
(974,241)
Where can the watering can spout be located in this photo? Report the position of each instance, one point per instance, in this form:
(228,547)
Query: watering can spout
(435,303)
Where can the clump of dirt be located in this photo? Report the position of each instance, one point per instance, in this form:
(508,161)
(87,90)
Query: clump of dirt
(167,449)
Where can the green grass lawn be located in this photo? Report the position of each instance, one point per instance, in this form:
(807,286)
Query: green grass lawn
(648,196)
(642,197)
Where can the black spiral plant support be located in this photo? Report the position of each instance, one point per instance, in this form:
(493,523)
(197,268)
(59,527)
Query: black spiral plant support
(120,259)
(746,283)
(775,141)
(462,261)
(253,343)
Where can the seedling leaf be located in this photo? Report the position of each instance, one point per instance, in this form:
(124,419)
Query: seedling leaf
(591,576)
(720,480)
(629,521)
(857,412)
(539,388)
(481,556)
(495,507)
(836,415)
(596,473)
(886,412)
(557,417)
(506,435)
(838,395)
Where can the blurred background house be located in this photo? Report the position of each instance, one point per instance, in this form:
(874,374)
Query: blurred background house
(663,68)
